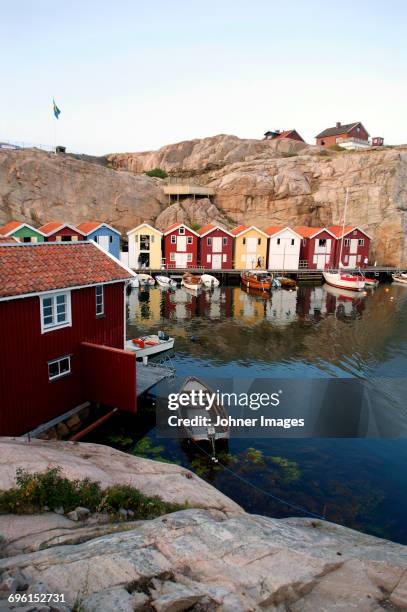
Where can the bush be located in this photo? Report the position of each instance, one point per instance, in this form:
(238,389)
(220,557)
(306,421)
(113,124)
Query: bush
(157,172)
(195,226)
(37,490)
(289,154)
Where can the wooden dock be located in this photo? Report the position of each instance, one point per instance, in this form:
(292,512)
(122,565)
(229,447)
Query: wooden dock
(147,376)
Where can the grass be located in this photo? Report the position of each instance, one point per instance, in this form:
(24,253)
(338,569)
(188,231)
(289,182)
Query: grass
(157,172)
(49,489)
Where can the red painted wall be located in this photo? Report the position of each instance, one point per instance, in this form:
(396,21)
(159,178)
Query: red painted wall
(27,397)
(361,253)
(307,251)
(65,231)
(328,141)
(172,248)
(205,249)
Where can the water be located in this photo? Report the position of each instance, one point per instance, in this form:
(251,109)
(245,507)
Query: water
(311,332)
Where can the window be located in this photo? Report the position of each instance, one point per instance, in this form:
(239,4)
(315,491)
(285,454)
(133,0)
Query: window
(208,258)
(172,256)
(292,241)
(65,238)
(361,242)
(55,310)
(110,239)
(346,242)
(209,241)
(26,239)
(152,238)
(322,242)
(189,257)
(95,238)
(189,239)
(181,230)
(173,239)
(224,257)
(259,241)
(100,307)
(74,238)
(278,240)
(304,242)
(225,241)
(244,240)
(59,367)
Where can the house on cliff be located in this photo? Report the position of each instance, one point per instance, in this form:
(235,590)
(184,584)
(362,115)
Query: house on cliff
(180,246)
(277,134)
(59,231)
(62,333)
(215,247)
(250,248)
(105,235)
(23,232)
(348,136)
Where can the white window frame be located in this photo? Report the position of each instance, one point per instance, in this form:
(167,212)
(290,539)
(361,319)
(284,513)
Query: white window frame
(346,242)
(172,256)
(361,242)
(173,239)
(46,327)
(189,257)
(61,374)
(189,240)
(208,258)
(181,231)
(102,301)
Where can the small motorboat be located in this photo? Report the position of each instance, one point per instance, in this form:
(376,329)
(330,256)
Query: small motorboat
(146,279)
(165,281)
(150,345)
(191,281)
(343,280)
(371,283)
(400,278)
(286,282)
(209,281)
(200,428)
(257,280)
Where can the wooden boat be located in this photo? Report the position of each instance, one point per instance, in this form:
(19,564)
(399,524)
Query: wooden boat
(145,279)
(198,430)
(209,281)
(400,278)
(257,280)
(286,282)
(191,281)
(343,280)
(165,281)
(146,346)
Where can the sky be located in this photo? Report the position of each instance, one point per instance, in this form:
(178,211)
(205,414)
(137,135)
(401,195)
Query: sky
(137,75)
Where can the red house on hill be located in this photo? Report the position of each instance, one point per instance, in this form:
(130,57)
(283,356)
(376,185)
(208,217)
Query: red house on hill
(355,249)
(58,231)
(215,249)
(180,246)
(62,332)
(318,245)
(339,133)
(276,134)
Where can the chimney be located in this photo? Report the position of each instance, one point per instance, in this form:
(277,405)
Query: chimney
(338,124)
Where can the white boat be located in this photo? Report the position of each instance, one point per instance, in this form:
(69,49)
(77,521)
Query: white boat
(134,282)
(146,279)
(165,281)
(343,280)
(150,345)
(370,283)
(400,278)
(209,281)
(191,282)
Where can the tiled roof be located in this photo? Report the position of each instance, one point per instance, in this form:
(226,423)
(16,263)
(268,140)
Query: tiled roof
(306,232)
(7,239)
(10,227)
(285,134)
(273,229)
(206,228)
(336,131)
(54,226)
(240,228)
(88,226)
(172,227)
(337,230)
(34,268)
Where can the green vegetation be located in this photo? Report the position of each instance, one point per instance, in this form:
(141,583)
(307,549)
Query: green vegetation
(255,456)
(157,173)
(144,448)
(50,489)
(290,469)
(289,154)
(195,226)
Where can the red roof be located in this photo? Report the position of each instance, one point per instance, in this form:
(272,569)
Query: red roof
(88,226)
(54,226)
(10,227)
(7,239)
(273,229)
(174,227)
(240,228)
(206,228)
(337,230)
(38,267)
(307,232)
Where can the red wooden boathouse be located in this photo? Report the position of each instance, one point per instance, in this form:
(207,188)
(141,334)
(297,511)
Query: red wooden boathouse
(62,331)
(355,249)
(215,249)
(317,250)
(180,246)
(59,231)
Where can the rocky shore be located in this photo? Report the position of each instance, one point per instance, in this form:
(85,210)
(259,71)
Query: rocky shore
(211,556)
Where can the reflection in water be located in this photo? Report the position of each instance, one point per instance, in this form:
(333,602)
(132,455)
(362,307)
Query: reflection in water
(309,332)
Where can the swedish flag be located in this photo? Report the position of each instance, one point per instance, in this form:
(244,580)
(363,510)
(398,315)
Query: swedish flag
(57,112)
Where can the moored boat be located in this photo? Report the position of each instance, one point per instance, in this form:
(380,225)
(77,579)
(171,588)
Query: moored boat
(150,345)
(371,283)
(191,281)
(145,279)
(400,278)
(343,280)
(209,281)
(286,282)
(257,280)
(165,281)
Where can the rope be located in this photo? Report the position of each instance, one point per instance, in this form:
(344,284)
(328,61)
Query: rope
(275,497)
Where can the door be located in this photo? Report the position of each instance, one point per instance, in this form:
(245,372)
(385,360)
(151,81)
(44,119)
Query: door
(217,245)
(181,260)
(104,242)
(216,262)
(251,245)
(353,246)
(181,243)
(321,260)
(251,261)
(352,261)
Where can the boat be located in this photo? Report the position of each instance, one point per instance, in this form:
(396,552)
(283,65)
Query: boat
(400,278)
(146,346)
(286,282)
(145,279)
(202,430)
(371,283)
(191,281)
(339,278)
(209,281)
(257,280)
(165,281)
(134,283)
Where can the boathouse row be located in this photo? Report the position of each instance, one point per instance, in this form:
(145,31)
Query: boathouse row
(212,246)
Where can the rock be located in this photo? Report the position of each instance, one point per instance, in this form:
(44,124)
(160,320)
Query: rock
(59,510)
(62,430)
(82,513)
(73,515)
(8,583)
(99,518)
(191,212)
(109,467)
(73,422)
(123,514)
(176,600)
(130,513)
(116,599)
